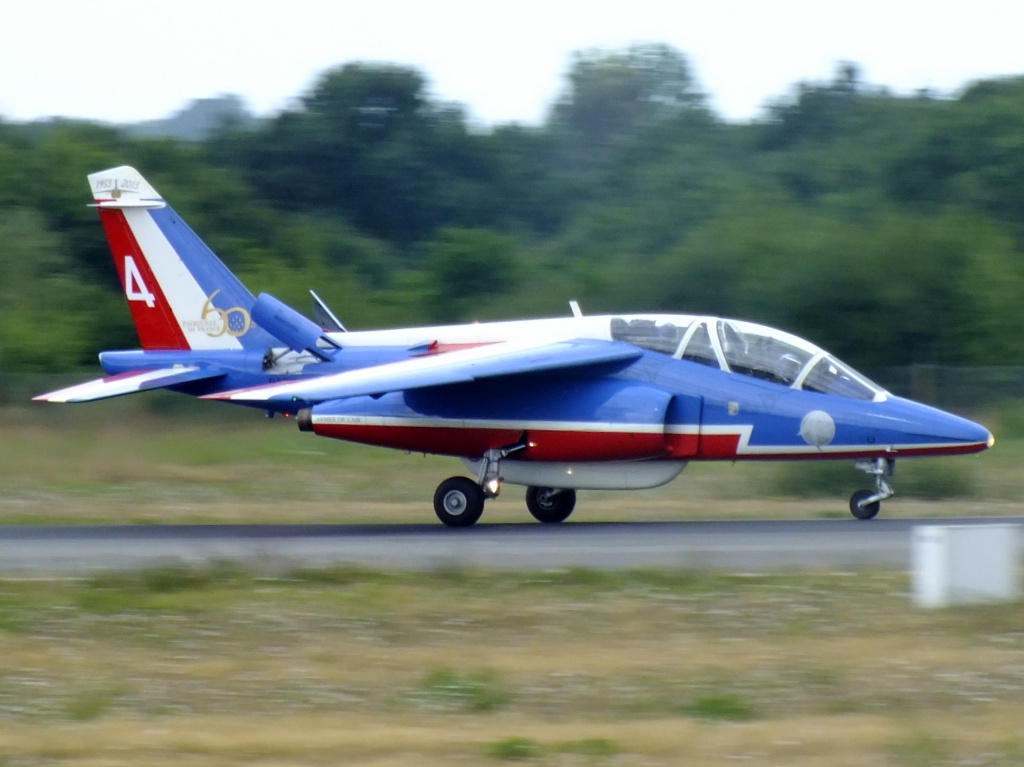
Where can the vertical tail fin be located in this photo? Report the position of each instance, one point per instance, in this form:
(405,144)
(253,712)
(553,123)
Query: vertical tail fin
(180,294)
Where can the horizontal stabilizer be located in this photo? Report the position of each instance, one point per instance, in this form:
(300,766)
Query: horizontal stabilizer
(491,361)
(129,383)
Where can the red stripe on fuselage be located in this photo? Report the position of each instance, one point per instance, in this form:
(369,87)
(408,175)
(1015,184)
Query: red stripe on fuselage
(865,452)
(596,445)
(436,347)
(472,442)
(726,447)
(706,447)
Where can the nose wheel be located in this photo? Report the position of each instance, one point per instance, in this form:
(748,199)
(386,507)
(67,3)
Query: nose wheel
(865,504)
(861,505)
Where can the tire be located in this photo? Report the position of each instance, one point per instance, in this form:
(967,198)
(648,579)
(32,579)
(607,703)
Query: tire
(550,506)
(459,502)
(866,512)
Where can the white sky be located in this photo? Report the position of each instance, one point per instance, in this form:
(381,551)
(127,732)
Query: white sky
(505,61)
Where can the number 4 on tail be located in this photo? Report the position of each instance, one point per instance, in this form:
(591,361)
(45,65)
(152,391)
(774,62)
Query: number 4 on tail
(134,286)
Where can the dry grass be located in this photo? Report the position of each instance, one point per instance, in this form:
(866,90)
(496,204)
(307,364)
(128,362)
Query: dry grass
(218,667)
(809,741)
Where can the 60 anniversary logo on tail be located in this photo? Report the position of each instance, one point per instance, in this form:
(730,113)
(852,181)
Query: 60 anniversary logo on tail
(213,321)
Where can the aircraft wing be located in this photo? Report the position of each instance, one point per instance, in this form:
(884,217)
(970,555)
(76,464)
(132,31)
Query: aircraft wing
(463,366)
(129,383)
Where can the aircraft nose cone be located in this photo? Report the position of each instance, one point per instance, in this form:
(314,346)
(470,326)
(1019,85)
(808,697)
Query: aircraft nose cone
(939,432)
(967,432)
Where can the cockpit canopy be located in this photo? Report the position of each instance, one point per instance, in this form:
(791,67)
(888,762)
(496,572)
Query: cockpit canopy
(748,349)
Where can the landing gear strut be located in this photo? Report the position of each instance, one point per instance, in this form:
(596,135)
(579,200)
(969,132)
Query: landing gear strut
(865,504)
(459,502)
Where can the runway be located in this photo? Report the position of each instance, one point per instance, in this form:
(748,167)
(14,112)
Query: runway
(721,546)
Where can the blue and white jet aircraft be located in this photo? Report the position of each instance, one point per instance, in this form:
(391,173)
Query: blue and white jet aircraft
(611,402)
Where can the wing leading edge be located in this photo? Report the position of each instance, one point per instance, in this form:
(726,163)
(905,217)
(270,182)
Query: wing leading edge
(464,366)
(129,383)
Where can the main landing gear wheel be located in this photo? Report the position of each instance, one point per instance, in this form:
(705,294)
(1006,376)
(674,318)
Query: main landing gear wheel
(867,510)
(459,502)
(549,505)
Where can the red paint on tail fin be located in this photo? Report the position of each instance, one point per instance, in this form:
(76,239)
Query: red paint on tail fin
(155,322)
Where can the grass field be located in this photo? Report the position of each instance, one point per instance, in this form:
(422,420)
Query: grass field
(220,667)
(217,667)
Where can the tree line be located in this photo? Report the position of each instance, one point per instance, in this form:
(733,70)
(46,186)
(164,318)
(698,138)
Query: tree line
(887,228)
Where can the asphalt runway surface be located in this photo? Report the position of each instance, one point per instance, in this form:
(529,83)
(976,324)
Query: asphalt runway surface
(722,546)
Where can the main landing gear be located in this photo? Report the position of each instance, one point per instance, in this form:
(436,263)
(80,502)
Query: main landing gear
(550,505)
(865,504)
(459,501)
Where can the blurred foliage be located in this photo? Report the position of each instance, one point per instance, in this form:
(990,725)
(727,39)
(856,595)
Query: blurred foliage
(929,480)
(889,229)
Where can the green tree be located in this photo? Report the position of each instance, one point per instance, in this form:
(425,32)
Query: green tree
(611,93)
(465,267)
(52,315)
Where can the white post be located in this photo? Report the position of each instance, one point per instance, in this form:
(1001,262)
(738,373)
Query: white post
(965,564)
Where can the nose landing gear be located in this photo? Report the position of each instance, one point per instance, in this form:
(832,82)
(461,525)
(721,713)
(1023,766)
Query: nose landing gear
(865,504)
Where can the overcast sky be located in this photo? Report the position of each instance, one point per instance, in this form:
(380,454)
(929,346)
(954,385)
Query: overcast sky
(505,61)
